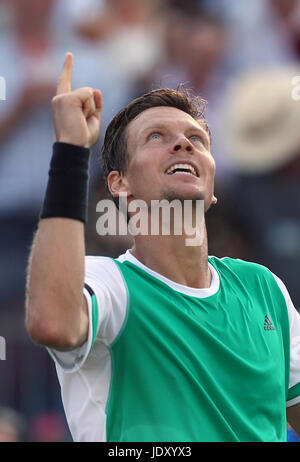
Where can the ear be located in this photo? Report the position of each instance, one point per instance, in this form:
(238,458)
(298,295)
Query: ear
(214,200)
(117,183)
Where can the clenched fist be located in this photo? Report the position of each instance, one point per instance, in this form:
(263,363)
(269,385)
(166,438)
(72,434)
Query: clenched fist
(77,113)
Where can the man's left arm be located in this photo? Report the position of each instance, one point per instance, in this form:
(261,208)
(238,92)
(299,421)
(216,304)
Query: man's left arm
(293,417)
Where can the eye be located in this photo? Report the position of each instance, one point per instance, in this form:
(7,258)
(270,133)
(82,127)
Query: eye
(155,136)
(195,139)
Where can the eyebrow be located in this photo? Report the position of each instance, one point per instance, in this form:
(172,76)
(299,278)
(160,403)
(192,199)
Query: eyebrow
(157,126)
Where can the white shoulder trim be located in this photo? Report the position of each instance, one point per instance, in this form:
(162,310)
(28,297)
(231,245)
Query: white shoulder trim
(294,323)
(288,301)
(293,401)
(106,281)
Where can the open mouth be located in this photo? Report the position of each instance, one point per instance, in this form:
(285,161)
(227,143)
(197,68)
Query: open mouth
(181,168)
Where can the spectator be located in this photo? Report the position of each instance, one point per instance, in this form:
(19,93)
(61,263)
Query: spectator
(262,140)
(25,120)
(255,36)
(31,64)
(12,426)
(48,427)
(31,57)
(129,32)
(288,16)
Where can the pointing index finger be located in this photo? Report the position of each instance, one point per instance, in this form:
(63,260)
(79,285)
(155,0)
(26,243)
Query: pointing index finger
(64,83)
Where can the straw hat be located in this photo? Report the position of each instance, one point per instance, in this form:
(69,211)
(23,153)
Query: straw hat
(261,121)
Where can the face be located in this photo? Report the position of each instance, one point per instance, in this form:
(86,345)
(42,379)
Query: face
(169,158)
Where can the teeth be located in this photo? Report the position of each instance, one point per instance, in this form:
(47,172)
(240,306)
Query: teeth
(187,167)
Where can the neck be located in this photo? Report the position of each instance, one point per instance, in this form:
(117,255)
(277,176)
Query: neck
(172,258)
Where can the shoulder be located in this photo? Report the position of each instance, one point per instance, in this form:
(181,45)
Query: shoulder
(100,265)
(258,276)
(239,266)
(250,274)
(105,286)
(103,272)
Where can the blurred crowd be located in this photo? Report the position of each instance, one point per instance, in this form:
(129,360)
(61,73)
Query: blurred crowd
(239,56)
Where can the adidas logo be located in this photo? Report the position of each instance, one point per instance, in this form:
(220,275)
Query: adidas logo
(268,324)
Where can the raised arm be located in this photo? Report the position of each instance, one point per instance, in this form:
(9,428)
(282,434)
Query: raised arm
(56,311)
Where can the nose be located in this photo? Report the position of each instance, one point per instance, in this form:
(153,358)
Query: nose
(182,144)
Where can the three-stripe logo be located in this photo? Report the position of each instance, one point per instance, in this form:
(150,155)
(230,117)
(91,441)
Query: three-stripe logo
(268,324)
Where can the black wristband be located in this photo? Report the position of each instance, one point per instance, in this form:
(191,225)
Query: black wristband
(67,190)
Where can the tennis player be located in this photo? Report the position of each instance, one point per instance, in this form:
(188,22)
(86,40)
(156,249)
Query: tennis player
(163,343)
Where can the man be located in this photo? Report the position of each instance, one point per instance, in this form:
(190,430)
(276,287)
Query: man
(164,343)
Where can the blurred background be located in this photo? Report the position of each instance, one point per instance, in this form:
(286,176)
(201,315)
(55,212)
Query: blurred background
(240,56)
